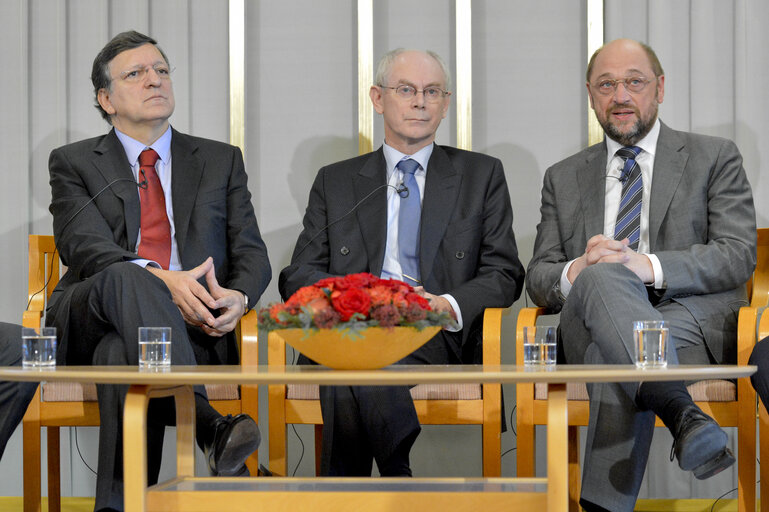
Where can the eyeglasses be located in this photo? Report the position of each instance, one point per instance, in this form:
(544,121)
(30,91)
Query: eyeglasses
(407,92)
(139,74)
(633,84)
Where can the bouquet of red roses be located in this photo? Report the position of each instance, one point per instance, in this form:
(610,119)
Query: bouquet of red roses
(354,302)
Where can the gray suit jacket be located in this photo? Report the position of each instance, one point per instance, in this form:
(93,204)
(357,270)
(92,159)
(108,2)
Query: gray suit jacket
(702,227)
(466,238)
(213,215)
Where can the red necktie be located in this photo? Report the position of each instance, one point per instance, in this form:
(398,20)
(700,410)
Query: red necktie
(155,241)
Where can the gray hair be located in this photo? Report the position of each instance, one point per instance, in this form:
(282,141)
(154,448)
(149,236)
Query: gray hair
(386,62)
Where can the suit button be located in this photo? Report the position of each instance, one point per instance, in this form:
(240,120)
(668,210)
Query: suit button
(344,250)
(459,255)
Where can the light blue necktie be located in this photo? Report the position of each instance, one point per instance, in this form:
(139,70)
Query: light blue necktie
(629,215)
(408,223)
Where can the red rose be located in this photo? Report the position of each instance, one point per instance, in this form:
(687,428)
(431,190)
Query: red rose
(328,282)
(399,300)
(319,305)
(418,300)
(395,285)
(350,302)
(380,295)
(304,296)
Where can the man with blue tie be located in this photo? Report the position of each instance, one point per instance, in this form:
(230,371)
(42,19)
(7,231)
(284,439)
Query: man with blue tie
(651,224)
(436,217)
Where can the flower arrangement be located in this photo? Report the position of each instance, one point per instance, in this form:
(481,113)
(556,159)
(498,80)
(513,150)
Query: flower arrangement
(353,303)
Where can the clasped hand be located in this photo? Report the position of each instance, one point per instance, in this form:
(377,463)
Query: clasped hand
(437,303)
(602,249)
(196,303)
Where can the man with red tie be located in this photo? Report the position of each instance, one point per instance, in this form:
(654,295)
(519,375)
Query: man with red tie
(157,229)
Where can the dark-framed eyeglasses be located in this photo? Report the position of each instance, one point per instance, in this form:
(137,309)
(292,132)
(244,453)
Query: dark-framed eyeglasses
(407,92)
(634,84)
(138,74)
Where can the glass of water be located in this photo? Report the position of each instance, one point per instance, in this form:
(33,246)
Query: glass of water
(154,347)
(651,339)
(539,345)
(38,347)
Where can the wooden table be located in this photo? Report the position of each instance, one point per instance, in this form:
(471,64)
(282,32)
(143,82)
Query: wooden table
(188,493)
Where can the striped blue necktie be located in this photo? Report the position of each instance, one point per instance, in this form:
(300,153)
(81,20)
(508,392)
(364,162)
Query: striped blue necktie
(408,223)
(629,215)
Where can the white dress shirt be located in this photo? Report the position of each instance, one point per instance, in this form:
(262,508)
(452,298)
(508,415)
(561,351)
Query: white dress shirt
(613,195)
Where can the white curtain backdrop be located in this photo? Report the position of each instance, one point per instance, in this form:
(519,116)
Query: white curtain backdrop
(529,109)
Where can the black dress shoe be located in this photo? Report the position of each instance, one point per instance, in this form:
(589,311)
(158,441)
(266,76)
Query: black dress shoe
(700,444)
(235,438)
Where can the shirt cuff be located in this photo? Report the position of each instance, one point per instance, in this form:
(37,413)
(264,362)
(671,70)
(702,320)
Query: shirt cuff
(146,263)
(457,311)
(565,284)
(659,277)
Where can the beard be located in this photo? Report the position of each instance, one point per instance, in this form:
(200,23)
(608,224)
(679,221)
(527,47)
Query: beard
(637,132)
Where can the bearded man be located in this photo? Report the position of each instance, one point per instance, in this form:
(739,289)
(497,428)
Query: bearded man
(650,224)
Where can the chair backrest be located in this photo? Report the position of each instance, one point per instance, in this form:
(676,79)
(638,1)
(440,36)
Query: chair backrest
(44,273)
(758,285)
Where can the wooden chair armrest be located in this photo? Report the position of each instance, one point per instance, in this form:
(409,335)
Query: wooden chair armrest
(746,333)
(763,327)
(32,319)
(527,317)
(276,350)
(248,333)
(758,285)
(492,334)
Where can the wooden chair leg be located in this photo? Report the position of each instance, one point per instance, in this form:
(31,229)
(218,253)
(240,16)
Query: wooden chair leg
(54,469)
(31,461)
(276,405)
(492,430)
(574,471)
(318,447)
(525,440)
(525,430)
(764,450)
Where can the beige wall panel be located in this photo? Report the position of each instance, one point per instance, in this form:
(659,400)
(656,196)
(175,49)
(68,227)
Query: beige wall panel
(48,111)
(428,25)
(302,109)
(209,105)
(87,32)
(129,15)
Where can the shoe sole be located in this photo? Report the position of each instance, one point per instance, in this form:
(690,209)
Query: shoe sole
(715,465)
(244,440)
(701,446)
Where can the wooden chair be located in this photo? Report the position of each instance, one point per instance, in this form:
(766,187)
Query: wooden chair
(729,404)
(58,405)
(763,431)
(450,404)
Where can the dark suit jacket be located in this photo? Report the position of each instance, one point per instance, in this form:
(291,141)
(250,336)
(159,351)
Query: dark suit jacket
(702,227)
(466,238)
(213,215)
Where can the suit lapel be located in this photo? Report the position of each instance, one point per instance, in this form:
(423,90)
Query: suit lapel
(442,186)
(372,212)
(111,161)
(669,163)
(592,189)
(186,173)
